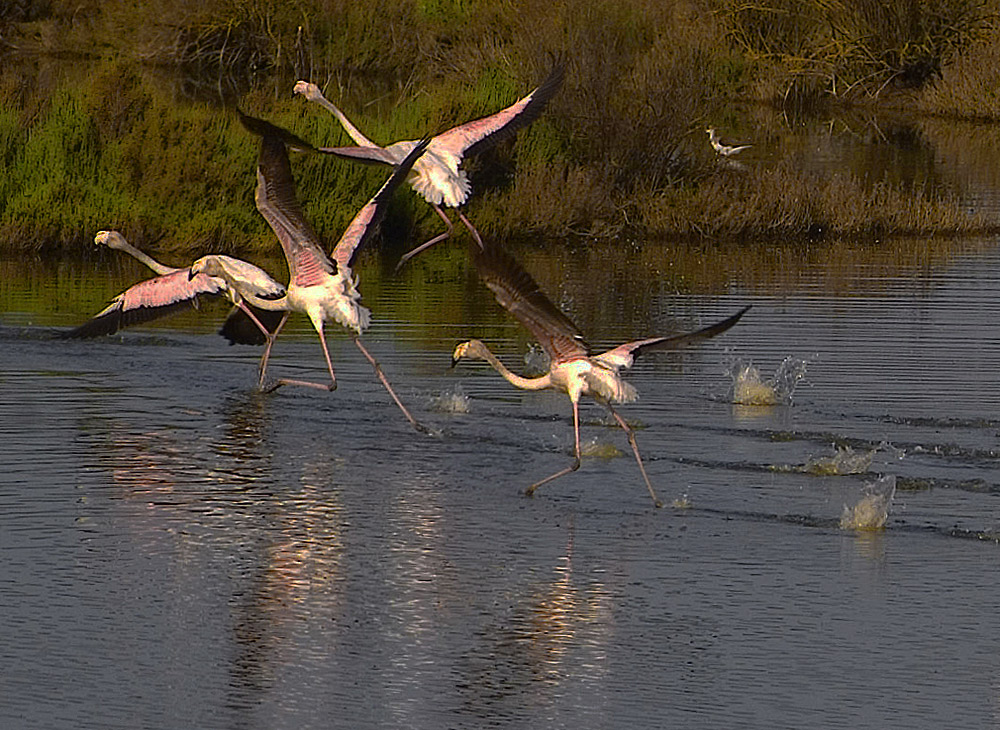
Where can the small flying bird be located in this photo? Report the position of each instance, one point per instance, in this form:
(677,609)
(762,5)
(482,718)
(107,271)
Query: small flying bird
(321,287)
(572,369)
(436,175)
(171,291)
(726,150)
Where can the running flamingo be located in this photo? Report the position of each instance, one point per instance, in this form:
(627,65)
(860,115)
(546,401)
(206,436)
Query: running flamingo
(172,290)
(572,368)
(321,287)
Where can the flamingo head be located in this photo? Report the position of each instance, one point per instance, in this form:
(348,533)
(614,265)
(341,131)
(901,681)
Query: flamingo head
(208,265)
(111,239)
(308,90)
(473,349)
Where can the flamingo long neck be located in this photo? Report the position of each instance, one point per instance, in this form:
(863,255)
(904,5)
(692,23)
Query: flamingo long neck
(540,383)
(355,134)
(274,305)
(147,259)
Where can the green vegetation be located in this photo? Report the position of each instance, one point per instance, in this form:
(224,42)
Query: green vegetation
(854,47)
(136,132)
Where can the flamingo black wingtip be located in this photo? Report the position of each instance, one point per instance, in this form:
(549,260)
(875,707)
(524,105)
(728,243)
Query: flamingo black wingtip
(267,130)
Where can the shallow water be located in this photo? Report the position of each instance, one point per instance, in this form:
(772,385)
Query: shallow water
(180,551)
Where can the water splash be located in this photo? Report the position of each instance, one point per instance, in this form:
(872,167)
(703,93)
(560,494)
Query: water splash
(845,461)
(451,401)
(872,510)
(536,360)
(682,502)
(750,389)
(592,448)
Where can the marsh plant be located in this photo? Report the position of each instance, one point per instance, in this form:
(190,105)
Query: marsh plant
(855,47)
(138,132)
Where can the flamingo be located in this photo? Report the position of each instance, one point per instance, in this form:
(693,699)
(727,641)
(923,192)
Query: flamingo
(572,368)
(726,150)
(173,289)
(436,176)
(321,287)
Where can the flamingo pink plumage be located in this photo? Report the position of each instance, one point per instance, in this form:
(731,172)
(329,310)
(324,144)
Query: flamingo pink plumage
(572,368)
(436,175)
(321,287)
(171,291)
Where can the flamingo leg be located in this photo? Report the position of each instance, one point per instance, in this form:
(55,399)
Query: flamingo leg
(437,239)
(253,318)
(271,337)
(385,381)
(472,229)
(308,383)
(530,491)
(635,450)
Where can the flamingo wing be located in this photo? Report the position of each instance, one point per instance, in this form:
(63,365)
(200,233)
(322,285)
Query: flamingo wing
(148,300)
(518,293)
(244,277)
(473,137)
(264,128)
(276,201)
(624,355)
(362,228)
(370,155)
(238,328)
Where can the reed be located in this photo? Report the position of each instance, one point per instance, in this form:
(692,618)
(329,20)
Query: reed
(621,148)
(852,48)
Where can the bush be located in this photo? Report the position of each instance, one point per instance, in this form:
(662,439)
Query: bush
(855,47)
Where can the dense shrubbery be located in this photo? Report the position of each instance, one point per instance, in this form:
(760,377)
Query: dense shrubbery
(854,47)
(621,147)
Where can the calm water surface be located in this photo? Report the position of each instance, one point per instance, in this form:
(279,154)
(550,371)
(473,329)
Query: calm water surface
(180,551)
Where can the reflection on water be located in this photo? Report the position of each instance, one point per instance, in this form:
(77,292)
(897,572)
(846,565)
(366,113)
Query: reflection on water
(181,551)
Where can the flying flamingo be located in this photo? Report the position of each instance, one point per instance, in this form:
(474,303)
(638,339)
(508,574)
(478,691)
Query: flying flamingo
(572,368)
(436,176)
(726,150)
(172,290)
(320,287)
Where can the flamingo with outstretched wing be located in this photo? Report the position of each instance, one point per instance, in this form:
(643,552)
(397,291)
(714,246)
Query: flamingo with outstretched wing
(572,367)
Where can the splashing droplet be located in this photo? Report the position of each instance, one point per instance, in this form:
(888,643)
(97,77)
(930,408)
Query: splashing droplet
(682,502)
(845,461)
(872,510)
(536,359)
(599,450)
(751,389)
(451,401)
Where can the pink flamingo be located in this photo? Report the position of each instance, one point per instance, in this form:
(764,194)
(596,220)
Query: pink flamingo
(436,176)
(172,290)
(572,368)
(321,287)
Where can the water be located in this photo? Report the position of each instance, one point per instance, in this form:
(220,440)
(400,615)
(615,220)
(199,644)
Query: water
(180,551)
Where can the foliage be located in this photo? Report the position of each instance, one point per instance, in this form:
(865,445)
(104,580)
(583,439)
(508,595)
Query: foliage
(120,142)
(859,47)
